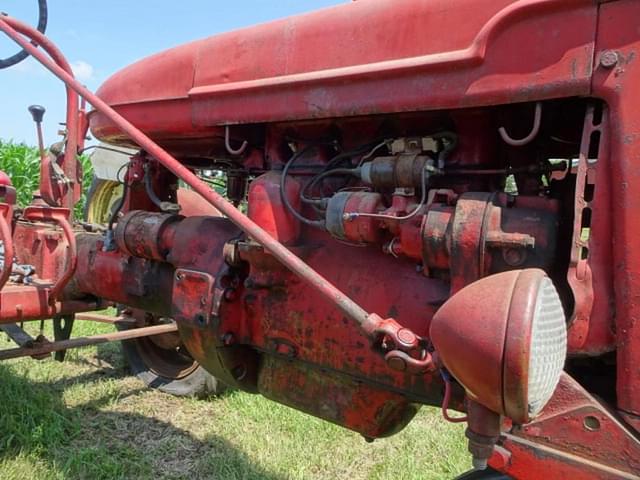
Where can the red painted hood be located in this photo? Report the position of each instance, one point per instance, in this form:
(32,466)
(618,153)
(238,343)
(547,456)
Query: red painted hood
(366,56)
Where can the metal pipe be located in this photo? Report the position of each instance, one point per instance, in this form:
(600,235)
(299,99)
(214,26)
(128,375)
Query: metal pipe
(99,318)
(279,251)
(7,241)
(73,117)
(87,341)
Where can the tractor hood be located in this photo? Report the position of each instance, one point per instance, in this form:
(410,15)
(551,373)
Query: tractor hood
(363,57)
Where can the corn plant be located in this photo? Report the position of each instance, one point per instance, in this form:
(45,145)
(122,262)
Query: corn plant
(22,163)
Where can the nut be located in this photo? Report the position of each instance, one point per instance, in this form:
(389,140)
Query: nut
(609,59)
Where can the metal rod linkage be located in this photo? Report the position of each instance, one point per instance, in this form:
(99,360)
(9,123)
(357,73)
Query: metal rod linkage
(46,348)
(287,258)
(72,122)
(99,318)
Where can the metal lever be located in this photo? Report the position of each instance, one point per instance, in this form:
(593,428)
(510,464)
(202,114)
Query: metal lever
(37,112)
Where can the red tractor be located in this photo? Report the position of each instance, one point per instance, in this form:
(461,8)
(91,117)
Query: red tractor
(427,202)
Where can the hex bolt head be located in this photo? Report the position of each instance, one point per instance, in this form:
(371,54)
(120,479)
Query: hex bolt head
(514,257)
(609,59)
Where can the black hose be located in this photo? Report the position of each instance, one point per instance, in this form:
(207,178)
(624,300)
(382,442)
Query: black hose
(318,178)
(283,187)
(149,188)
(43,17)
(123,199)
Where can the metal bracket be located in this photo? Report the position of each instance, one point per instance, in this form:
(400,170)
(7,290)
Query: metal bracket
(59,216)
(62,326)
(192,298)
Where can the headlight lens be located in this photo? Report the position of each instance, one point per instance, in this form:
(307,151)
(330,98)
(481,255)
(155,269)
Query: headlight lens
(548,347)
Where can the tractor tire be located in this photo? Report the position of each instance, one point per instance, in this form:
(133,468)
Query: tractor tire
(167,367)
(102,198)
(488,474)
(170,370)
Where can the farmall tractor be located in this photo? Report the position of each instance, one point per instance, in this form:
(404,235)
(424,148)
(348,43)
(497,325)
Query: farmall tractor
(427,202)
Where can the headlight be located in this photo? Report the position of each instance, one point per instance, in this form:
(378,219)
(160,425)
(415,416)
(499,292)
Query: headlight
(548,347)
(504,338)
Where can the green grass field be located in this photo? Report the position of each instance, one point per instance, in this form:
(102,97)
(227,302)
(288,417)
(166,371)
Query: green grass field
(88,419)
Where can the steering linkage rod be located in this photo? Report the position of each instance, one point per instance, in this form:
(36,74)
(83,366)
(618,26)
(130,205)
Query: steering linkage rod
(402,348)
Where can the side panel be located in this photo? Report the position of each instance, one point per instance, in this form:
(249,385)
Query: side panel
(618,83)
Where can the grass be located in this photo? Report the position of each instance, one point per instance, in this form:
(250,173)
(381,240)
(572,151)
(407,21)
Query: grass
(88,419)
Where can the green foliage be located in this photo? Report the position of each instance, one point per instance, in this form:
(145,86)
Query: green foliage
(22,163)
(87,178)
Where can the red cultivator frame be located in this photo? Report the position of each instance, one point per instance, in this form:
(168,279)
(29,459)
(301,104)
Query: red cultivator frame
(431,219)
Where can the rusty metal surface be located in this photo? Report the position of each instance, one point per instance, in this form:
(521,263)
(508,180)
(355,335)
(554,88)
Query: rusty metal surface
(274,78)
(20,303)
(194,297)
(59,216)
(618,87)
(368,322)
(591,330)
(236,293)
(576,435)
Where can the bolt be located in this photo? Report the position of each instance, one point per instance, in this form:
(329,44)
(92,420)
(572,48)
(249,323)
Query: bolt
(406,336)
(609,59)
(228,339)
(179,277)
(397,363)
(203,301)
(514,257)
(201,319)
